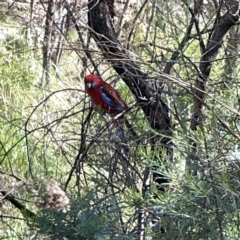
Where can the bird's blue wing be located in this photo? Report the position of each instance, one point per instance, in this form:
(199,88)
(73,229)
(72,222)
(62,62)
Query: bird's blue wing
(109,99)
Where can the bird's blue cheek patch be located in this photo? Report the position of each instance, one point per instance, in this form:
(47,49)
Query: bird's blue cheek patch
(94,85)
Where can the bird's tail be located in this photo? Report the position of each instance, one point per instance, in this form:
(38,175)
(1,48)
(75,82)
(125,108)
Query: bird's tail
(122,135)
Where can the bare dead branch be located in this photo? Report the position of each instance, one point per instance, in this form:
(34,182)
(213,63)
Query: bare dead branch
(25,212)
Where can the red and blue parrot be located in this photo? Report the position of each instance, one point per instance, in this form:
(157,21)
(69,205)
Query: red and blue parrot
(108,100)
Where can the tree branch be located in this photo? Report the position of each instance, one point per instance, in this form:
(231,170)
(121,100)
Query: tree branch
(222,26)
(25,212)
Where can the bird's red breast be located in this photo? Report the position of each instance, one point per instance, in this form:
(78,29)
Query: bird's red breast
(109,100)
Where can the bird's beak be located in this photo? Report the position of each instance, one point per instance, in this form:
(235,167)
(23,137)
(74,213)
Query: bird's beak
(88,85)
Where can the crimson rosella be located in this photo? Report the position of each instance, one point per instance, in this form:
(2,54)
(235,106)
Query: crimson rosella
(107,99)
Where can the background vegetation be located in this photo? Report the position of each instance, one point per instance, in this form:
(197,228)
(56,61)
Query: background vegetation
(62,172)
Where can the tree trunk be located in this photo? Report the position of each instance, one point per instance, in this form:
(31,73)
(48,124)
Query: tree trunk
(100,19)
